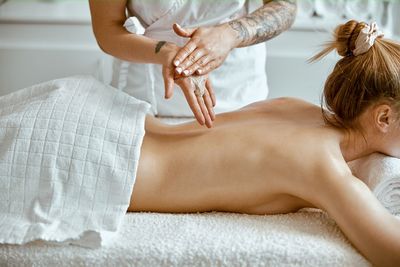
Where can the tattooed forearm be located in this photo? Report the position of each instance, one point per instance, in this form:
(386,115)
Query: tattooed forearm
(265,23)
(243,33)
(159,45)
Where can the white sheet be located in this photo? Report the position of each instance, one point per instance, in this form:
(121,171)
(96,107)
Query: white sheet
(69,150)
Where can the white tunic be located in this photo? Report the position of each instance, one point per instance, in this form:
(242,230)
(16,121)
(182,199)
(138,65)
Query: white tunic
(239,81)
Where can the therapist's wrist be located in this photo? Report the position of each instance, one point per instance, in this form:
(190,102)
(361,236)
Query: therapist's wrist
(165,52)
(230,36)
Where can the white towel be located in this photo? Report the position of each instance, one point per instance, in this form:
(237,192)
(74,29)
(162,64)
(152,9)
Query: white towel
(301,239)
(382,175)
(69,150)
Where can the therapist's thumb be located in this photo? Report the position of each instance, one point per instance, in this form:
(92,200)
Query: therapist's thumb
(183,32)
(169,88)
(168,83)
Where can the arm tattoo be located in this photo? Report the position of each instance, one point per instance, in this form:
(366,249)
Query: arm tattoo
(241,29)
(265,23)
(159,45)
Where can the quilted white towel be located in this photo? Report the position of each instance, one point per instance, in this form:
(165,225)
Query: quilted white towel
(382,175)
(69,152)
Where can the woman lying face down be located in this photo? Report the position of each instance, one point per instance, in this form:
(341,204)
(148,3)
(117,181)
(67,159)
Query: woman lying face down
(281,155)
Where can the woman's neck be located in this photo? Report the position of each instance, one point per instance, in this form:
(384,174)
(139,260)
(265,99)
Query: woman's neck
(354,144)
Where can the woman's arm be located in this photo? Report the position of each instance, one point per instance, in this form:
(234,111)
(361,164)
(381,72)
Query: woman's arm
(209,46)
(361,217)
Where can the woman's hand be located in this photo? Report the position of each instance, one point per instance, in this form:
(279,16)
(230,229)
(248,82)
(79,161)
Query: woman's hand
(205,51)
(201,106)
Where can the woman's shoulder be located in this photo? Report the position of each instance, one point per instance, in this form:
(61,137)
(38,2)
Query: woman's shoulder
(320,148)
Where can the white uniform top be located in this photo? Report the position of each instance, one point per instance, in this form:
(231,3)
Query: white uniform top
(239,81)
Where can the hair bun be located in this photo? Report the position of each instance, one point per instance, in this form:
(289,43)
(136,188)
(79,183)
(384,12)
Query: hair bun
(346,36)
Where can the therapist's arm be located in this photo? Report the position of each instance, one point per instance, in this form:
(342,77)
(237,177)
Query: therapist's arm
(108,17)
(265,23)
(209,46)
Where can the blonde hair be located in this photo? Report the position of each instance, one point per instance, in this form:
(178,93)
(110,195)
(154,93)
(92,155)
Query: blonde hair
(356,82)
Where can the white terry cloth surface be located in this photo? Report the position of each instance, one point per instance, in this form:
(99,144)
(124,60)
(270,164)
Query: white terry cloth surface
(69,150)
(303,239)
(382,175)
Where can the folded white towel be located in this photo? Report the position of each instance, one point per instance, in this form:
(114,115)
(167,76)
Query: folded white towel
(382,175)
(69,150)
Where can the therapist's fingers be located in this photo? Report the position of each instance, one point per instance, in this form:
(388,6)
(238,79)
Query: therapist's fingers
(209,105)
(210,90)
(196,67)
(184,52)
(168,76)
(204,110)
(183,32)
(207,68)
(194,105)
(189,62)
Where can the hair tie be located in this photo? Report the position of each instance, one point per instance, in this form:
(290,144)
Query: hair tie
(366,38)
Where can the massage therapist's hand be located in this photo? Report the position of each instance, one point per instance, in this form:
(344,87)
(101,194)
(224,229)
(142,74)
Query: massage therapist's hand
(206,50)
(201,106)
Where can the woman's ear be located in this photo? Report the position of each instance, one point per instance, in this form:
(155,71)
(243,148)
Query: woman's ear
(383,117)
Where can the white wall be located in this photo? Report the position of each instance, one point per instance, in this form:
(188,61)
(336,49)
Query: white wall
(40,41)
(289,73)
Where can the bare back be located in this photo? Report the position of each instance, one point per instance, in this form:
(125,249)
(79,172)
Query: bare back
(261,159)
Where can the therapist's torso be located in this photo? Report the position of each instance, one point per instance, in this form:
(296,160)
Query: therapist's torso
(240,80)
